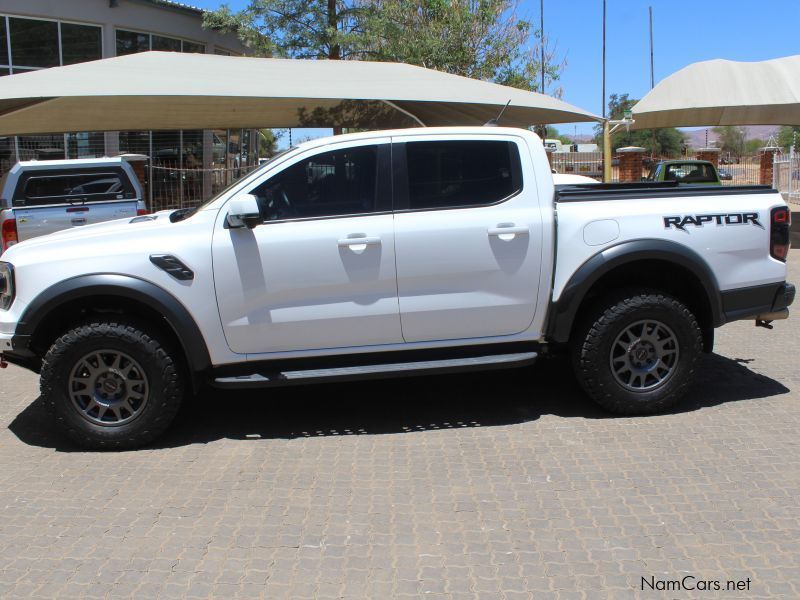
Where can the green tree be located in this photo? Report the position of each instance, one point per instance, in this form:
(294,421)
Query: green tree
(268,142)
(730,139)
(483,39)
(753,146)
(667,141)
(554,134)
(788,135)
(293,28)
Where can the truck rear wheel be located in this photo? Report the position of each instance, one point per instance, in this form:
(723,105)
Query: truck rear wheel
(637,353)
(111,384)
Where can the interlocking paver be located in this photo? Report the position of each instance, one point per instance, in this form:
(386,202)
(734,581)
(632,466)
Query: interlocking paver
(497,485)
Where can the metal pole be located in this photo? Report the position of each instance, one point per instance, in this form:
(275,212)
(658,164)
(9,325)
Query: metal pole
(606,152)
(776,174)
(541,29)
(604,59)
(606,128)
(180,168)
(652,77)
(150,162)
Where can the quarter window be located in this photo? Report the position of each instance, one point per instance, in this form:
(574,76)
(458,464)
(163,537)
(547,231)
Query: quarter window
(342,182)
(449,174)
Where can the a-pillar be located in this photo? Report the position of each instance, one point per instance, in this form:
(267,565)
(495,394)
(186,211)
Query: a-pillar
(767,161)
(709,154)
(630,163)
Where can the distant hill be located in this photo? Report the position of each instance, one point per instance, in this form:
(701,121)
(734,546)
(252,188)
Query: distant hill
(697,137)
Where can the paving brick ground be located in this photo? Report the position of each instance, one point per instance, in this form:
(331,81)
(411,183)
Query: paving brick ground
(502,485)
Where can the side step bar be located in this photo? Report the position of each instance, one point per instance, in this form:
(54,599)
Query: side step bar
(403,369)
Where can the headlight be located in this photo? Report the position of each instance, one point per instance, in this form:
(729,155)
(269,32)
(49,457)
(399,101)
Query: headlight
(6,285)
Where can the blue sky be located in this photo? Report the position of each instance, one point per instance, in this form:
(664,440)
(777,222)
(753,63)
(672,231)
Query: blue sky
(685,31)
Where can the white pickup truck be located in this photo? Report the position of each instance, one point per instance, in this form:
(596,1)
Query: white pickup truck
(387,254)
(38,197)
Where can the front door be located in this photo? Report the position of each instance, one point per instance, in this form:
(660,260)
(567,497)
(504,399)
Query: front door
(468,238)
(319,272)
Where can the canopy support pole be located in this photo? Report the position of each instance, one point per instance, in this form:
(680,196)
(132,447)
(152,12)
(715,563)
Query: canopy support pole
(606,152)
(405,112)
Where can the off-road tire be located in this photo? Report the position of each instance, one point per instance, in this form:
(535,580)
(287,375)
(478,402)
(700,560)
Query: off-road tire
(163,374)
(613,316)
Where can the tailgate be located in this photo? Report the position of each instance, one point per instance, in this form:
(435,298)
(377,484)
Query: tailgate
(40,220)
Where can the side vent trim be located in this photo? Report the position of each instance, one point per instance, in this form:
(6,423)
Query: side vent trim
(173,266)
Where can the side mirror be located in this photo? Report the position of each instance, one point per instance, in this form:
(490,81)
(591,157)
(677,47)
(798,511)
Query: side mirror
(243,212)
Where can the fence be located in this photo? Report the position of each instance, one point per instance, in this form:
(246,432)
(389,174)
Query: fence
(589,164)
(170,188)
(786,176)
(740,171)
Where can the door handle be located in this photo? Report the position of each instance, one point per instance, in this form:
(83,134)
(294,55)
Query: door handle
(359,240)
(508,229)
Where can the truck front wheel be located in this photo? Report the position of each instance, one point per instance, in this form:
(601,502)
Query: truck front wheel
(111,384)
(636,354)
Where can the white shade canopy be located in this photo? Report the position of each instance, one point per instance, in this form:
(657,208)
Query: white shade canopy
(170,90)
(725,92)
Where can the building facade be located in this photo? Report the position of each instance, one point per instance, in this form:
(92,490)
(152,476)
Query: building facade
(183,166)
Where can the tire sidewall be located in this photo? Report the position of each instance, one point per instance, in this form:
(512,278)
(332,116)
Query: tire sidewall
(82,340)
(683,333)
(593,355)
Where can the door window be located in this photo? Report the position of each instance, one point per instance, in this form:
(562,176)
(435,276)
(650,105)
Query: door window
(331,184)
(452,174)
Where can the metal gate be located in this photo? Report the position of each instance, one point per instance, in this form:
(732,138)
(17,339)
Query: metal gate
(786,176)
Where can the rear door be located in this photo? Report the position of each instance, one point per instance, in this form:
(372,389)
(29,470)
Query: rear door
(46,201)
(468,237)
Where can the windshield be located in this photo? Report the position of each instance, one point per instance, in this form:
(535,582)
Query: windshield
(238,181)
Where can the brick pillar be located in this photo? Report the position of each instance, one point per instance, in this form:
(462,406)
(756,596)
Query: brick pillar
(709,154)
(630,164)
(767,159)
(139,164)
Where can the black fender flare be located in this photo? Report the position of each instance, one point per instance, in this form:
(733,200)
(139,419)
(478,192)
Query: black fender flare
(565,309)
(123,286)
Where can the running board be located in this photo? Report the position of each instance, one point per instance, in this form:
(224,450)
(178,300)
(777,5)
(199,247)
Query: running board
(404,369)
